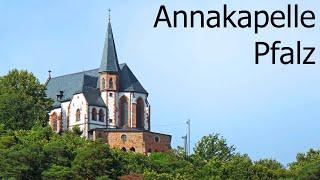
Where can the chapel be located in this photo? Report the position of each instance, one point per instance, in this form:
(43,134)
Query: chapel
(106,103)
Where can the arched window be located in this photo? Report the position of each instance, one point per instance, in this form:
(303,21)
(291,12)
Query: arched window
(111,83)
(94,114)
(123,112)
(53,120)
(132,149)
(124,137)
(140,113)
(156,139)
(103,84)
(101,115)
(124,149)
(78,115)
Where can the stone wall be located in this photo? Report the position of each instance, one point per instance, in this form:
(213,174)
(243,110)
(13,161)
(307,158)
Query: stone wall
(138,141)
(155,142)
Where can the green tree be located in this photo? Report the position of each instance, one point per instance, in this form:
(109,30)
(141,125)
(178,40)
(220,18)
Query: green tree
(237,167)
(153,175)
(94,160)
(269,169)
(166,162)
(306,166)
(58,172)
(57,153)
(23,156)
(76,130)
(23,101)
(213,146)
(134,162)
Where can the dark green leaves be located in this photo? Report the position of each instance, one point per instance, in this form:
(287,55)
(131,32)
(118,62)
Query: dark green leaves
(23,102)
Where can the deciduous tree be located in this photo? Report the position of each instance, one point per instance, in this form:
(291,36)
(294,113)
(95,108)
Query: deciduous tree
(23,101)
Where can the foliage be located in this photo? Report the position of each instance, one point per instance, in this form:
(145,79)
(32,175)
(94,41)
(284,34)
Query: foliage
(76,130)
(213,146)
(40,153)
(269,169)
(23,102)
(95,159)
(58,172)
(307,165)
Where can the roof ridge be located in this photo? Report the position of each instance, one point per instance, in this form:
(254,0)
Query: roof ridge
(76,73)
(124,64)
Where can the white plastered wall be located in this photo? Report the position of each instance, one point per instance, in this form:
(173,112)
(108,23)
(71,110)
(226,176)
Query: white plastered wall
(79,102)
(111,103)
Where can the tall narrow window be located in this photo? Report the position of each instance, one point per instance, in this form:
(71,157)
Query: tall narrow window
(103,84)
(140,113)
(101,115)
(94,114)
(123,112)
(53,120)
(110,83)
(78,115)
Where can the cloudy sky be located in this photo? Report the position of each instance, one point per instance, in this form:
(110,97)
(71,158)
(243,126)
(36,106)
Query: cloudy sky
(208,75)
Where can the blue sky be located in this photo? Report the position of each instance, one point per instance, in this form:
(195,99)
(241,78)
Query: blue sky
(208,75)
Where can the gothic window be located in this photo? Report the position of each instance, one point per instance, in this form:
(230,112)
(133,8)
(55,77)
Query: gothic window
(101,115)
(103,83)
(132,149)
(110,83)
(54,124)
(78,115)
(124,149)
(123,112)
(140,113)
(94,114)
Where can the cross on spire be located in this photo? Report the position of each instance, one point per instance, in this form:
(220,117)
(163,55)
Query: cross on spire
(109,10)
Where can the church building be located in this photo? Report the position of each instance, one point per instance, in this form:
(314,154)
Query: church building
(108,102)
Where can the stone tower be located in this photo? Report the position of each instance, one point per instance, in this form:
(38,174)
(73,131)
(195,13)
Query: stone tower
(109,77)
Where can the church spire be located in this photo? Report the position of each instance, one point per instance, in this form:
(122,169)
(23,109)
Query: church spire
(109,61)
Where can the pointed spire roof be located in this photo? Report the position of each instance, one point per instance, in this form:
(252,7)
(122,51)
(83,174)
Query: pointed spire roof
(109,61)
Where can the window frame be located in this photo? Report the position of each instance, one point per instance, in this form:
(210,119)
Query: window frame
(101,115)
(78,115)
(110,83)
(94,114)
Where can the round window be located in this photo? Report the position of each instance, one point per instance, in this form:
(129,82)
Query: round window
(124,137)
(156,138)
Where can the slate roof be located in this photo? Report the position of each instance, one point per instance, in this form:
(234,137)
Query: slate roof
(87,82)
(109,61)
